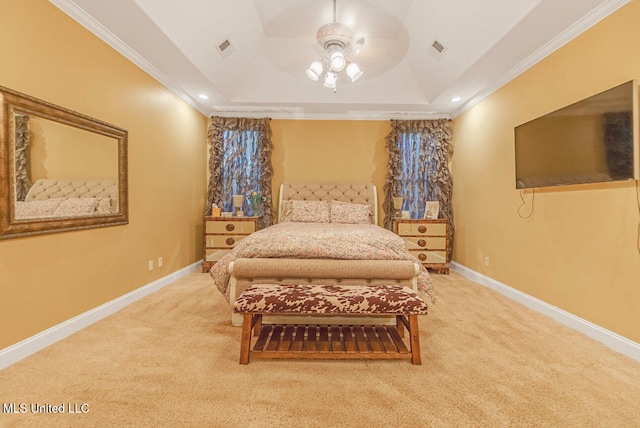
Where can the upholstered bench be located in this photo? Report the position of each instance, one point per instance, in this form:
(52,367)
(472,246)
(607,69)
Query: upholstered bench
(330,341)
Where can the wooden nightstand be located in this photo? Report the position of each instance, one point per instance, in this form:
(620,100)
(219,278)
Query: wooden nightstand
(221,234)
(428,240)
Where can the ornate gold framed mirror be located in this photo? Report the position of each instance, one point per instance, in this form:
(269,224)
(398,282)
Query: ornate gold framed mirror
(59,170)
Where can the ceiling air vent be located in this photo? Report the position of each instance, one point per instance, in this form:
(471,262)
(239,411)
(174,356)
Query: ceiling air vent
(225,48)
(436,49)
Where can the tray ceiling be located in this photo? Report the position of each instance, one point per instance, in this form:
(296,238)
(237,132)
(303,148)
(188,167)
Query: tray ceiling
(271,43)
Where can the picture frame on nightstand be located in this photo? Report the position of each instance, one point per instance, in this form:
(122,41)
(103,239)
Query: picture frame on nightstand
(432,210)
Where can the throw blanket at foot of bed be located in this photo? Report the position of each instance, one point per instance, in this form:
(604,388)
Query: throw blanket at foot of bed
(335,341)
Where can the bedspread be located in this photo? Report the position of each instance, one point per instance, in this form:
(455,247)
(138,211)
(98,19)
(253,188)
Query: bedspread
(320,241)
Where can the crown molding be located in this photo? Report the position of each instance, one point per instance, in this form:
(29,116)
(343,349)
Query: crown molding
(78,14)
(362,115)
(597,15)
(83,18)
(70,8)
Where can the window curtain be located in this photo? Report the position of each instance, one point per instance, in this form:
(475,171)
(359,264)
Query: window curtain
(240,162)
(22,139)
(418,168)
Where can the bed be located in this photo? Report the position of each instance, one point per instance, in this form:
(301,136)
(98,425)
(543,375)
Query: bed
(53,198)
(327,234)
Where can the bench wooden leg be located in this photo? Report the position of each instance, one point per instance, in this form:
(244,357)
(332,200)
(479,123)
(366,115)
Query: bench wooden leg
(245,342)
(414,339)
(399,325)
(257,326)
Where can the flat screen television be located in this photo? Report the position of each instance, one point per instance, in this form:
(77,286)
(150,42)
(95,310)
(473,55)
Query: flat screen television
(590,141)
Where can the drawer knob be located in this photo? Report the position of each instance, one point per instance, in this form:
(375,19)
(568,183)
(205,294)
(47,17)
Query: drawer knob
(422,256)
(230,241)
(422,242)
(422,229)
(230,227)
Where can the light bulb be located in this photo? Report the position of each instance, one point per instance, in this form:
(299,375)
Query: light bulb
(353,71)
(330,80)
(337,62)
(314,70)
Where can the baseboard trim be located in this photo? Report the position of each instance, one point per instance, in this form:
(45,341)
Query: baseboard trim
(609,338)
(33,344)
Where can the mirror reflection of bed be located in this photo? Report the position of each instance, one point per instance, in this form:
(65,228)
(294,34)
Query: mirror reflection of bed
(64,170)
(54,198)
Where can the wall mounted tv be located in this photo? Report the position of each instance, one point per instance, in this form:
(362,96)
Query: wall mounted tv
(591,141)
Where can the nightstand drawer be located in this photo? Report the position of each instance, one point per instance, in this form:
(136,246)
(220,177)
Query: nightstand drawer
(236,227)
(426,243)
(434,229)
(224,226)
(430,256)
(223,241)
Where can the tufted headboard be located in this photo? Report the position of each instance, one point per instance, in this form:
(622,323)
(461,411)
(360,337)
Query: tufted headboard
(353,193)
(47,188)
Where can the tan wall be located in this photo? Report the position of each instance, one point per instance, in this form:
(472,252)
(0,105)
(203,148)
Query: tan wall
(330,151)
(579,249)
(45,280)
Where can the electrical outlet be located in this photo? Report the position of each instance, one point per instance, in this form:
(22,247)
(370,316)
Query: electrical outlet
(486,261)
(159,262)
(150,265)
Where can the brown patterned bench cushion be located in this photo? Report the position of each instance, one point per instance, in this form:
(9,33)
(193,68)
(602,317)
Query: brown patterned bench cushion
(330,299)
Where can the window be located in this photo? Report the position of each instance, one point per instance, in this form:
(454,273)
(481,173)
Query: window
(240,162)
(418,162)
(240,165)
(418,167)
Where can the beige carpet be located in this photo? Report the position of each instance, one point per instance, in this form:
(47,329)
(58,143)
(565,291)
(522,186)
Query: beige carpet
(171,359)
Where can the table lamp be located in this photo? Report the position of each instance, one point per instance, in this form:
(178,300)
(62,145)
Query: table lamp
(397,205)
(237,202)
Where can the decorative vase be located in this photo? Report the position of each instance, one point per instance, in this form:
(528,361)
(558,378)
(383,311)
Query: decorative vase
(256,208)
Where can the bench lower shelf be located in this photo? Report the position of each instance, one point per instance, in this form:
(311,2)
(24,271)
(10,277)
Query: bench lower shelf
(282,341)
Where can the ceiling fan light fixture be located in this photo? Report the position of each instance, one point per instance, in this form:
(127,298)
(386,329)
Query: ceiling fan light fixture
(335,43)
(314,71)
(330,80)
(353,71)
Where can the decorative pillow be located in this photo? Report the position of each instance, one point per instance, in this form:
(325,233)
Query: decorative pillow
(306,211)
(344,212)
(37,209)
(72,207)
